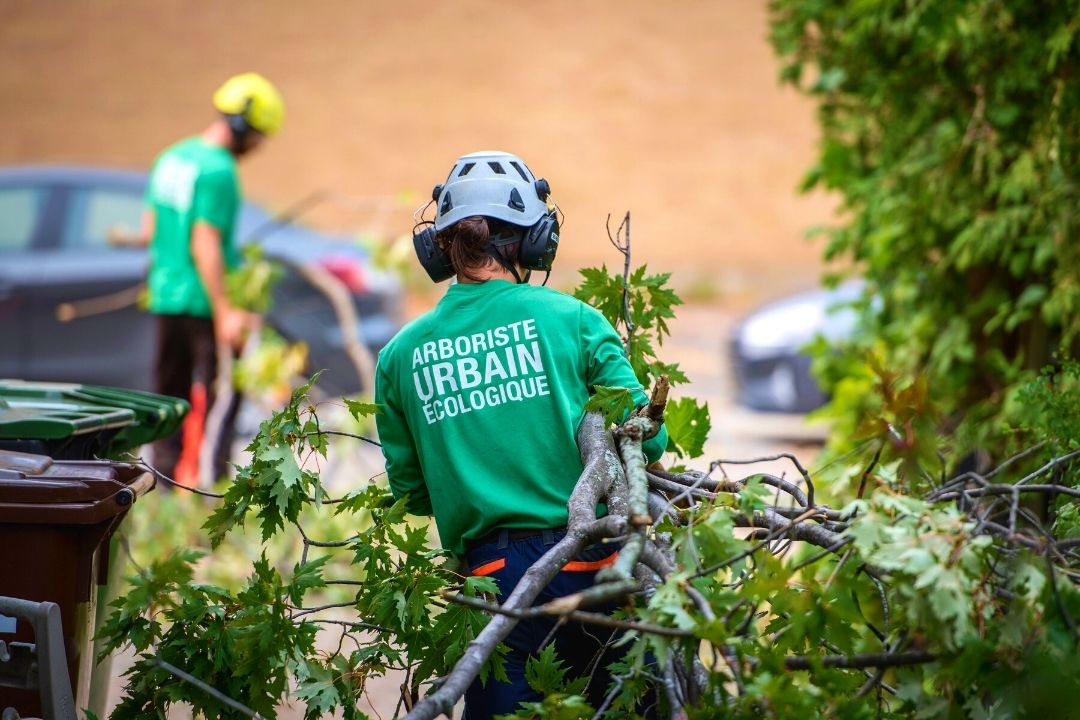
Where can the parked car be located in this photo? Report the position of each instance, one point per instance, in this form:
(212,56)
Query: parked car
(54,251)
(772,371)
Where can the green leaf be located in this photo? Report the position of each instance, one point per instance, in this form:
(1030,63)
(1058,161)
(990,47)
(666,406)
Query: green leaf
(688,425)
(829,80)
(603,291)
(545,672)
(480,585)
(754,497)
(360,409)
(614,403)
(306,577)
(317,688)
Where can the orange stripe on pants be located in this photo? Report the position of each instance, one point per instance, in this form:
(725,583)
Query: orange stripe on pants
(589,565)
(490,567)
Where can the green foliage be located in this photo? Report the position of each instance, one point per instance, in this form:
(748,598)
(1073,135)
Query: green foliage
(951,133)
(360,409)
(249,286)
(254,642)
(546,674)
(562,700)
(271,367)
(402,579)
(988,601)
(642,304)
(274,483)
(242,644)
(1048,408)
(937,552)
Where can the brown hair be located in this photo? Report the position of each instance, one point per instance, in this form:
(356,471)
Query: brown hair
(466,241)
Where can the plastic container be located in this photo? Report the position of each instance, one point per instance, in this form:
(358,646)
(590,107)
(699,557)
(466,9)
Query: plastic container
(56,519)
(152,416)
(59,428)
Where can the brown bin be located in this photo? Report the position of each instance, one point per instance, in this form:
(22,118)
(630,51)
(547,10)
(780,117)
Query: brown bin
(56,518)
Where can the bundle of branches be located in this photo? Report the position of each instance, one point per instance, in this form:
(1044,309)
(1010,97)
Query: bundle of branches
(952,565)
(743,597)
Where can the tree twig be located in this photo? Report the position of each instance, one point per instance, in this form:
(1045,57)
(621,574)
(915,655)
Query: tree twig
(582,616)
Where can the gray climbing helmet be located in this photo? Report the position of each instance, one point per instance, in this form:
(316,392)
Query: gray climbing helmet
(491,184)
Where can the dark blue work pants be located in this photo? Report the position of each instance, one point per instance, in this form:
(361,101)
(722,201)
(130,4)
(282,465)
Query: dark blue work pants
(586,649)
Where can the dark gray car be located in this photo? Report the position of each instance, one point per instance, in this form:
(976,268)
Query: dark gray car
(55,257)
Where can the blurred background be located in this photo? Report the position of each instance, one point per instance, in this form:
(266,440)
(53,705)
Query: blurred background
(671,111)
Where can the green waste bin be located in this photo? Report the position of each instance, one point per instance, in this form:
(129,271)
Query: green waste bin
(56,520)
(152,416)
(59,428)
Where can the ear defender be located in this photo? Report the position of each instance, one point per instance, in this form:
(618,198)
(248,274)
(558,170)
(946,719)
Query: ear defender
(434,260)
(540,244)
(238,124)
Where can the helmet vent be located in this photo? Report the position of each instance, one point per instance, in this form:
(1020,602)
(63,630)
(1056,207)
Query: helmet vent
(497,168)
(465,169)
(516,203)
(520,172)
(447,204)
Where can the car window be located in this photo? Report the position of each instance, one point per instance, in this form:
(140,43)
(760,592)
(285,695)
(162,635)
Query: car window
(94,212)
(20,212)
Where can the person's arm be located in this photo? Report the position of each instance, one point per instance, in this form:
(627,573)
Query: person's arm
(606,364)
(399,449)
(121,236)
(230,323)
(214,207)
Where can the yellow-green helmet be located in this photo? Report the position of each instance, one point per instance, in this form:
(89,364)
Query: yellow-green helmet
(255,99)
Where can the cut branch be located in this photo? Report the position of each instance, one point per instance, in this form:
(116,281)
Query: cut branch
(883,660)
(552,609)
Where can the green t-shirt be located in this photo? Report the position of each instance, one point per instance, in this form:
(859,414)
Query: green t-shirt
(191,181)
(479,404)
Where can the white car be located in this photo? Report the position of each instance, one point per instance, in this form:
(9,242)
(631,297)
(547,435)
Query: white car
(772,371)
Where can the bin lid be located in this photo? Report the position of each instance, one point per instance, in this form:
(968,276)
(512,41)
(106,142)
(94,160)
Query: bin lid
(155,416)
(24,462)
(53,419)
(67,492)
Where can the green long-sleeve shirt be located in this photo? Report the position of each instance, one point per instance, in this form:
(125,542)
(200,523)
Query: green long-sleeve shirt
(480,400)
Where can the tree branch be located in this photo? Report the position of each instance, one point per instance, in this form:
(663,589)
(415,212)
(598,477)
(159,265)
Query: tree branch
(554,609)
(883,660)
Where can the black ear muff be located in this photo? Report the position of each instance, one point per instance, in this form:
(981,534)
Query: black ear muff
(238,122)
(238,125)
(540,244)
(434,260)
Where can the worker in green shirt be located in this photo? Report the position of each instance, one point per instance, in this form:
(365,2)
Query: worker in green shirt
(192,200)
(480,400)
